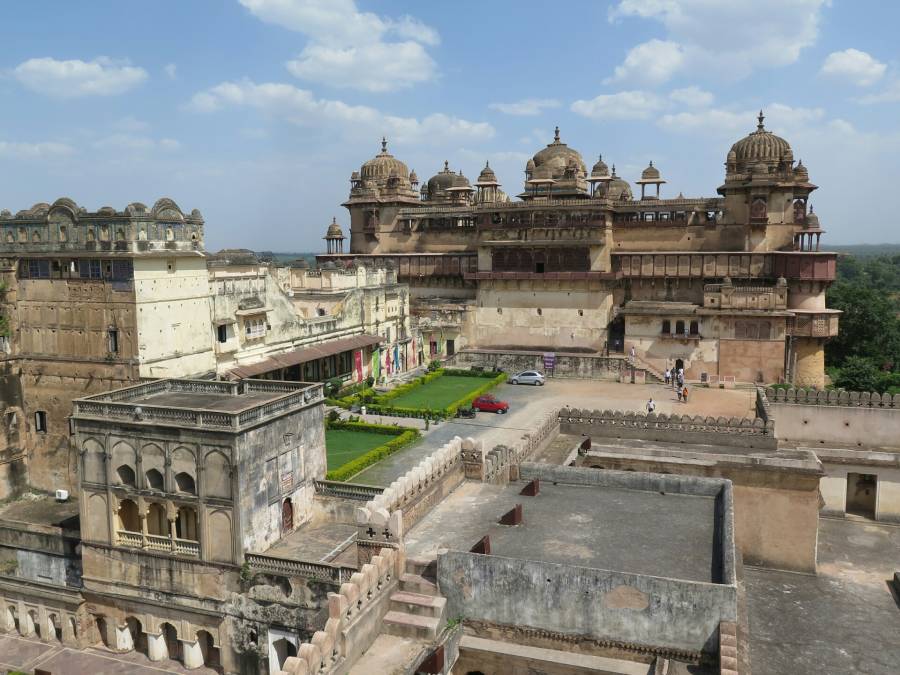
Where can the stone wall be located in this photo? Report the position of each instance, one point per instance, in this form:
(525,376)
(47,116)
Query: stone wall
(582,366)
(836,419)
(734,432)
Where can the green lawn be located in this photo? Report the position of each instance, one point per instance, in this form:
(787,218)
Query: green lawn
(438,393)
(344,445)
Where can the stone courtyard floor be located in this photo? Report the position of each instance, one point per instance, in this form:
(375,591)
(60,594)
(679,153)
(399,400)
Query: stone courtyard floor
(26,654)
(528,404)
(845,620)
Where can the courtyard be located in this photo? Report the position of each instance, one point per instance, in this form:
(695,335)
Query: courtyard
(438,393)
(345,445)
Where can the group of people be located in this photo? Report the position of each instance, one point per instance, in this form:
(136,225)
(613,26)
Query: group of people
(675,377)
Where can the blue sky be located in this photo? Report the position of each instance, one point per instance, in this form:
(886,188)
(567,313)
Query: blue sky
(257,111)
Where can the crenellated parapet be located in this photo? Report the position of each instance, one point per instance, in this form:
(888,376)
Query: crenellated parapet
(833,397)
(351,613)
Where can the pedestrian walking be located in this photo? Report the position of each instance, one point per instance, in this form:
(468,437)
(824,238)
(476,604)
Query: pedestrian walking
(684,393)
(668,377)
(678,389)
(651,406)
(632,354)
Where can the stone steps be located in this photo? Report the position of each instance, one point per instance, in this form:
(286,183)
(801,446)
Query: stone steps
(416,583)
(418,603)
(402,624)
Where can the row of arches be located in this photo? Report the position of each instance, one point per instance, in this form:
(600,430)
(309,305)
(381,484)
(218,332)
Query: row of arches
(49,626)
(153,468)
(681,327)
(192,650)
(128,518)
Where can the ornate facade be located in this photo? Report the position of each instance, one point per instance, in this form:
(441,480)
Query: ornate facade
(579,265)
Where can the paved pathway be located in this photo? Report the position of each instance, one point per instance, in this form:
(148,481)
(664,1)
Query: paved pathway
(528,404)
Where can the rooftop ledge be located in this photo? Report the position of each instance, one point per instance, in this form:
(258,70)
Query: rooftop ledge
(206,404)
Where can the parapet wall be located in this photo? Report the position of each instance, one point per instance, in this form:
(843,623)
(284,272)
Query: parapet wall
(735,432)
(579,366)
(839,419)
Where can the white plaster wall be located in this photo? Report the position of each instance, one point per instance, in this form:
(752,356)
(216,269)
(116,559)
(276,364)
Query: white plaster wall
(833,487)
(838,426)
(175,337)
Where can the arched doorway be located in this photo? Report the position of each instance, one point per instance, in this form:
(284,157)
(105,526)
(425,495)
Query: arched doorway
(170,636)
(287,515)
(208,649)
(54,628)
(138,636)
(12,617)
(128,516)
(32,625)
(616,335)
(283,650)
(679,364)
(102,634)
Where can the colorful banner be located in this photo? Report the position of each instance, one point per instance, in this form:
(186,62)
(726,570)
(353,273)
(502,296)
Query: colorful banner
(376,363)
(357,362)
(396,358)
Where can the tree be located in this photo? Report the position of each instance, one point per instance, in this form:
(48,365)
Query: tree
(869,327)
(858,374)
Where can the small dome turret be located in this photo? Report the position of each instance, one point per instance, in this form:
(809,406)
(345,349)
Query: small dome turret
(812,220)
(760,146)
(600,169)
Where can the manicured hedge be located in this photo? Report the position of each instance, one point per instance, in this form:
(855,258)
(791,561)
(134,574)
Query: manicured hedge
(402,436)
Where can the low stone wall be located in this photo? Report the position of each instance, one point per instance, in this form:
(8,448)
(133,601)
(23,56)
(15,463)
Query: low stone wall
(735,432)
(354,620)
(581,366)
(836,419)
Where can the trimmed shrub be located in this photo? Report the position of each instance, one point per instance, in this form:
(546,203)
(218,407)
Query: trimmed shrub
(401,437)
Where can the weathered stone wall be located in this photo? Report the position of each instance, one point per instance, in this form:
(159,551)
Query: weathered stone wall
(580,366)
(836,419)
(743,433)
(834,485)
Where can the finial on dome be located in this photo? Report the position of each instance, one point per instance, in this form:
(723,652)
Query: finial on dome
(651,162)
(556,134)
(760,118)
(614,170)
(383,144)
(446,165)
(810,208)
(487,164)
(600,157)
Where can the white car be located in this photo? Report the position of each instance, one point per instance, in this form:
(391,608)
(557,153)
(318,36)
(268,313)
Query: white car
(528,377)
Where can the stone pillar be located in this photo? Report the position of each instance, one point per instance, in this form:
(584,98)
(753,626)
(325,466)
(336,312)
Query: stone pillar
(156,646)
(192,655)
(124,642)
(5,624)
(810,363)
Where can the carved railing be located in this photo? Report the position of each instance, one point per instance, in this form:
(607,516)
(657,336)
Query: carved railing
(300,568)
(832,397)
(128,538)
(186,546)
(683,423)
(356,491)
(157,542)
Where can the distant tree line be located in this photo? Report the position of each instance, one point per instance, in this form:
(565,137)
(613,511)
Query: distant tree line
(865,356)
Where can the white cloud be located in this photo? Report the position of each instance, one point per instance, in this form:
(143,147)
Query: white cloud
(724,39)
(624,105)
(69,79)
(171,70)
(652,62)
(890,94)
(44,150)
(694,97)
(780,118)
(125,142)
(854,67)
(131,124)
(525,107)
(301,107)
(350,48)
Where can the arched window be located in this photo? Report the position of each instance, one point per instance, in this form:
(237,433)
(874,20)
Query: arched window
(695,328)
(679,327)
(666,327)
(186,524)
(184,482)
(126,475)
(156,520)
(128,516)
(154,479)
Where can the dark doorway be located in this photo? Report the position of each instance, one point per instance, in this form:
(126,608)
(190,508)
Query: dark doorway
(679,364)
(539,267)
(287,515)
(616,335)
(451,347)
(862,491)
(173,645)
(283,650)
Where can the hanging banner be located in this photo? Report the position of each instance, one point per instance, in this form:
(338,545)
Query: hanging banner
(376,363)
(387,361)
(396,358)
(357,362)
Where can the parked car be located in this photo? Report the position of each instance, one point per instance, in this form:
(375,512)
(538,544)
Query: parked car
(528,377)
(488,403)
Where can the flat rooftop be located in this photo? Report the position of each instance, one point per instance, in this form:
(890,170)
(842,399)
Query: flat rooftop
(206,401)
(41,510)
(633,531)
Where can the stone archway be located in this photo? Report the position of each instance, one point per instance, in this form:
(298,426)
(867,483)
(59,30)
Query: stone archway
(287,515)
(138,636)
(283,650)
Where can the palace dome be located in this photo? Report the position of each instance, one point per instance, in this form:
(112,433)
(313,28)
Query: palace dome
(618,187)
(600,169)
(444,179)
(555,159)
(812,220)
(487,175)
(334,230)
(650,173)
(383,166)
(801,173)
(760,145)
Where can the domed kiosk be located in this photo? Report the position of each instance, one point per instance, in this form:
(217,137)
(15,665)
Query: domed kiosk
(556,172)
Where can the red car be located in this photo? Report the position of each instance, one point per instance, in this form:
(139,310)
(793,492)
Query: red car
(488,403)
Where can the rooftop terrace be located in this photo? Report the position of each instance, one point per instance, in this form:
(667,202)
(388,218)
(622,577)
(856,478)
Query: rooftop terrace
(207,404)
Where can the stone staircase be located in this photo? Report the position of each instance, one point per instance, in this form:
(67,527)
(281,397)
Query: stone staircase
(417,608)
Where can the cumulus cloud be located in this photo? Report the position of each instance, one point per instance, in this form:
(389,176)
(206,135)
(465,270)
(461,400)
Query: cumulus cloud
(127,142)
(624,105)
(43,150)
(525,107)
(890,94)
(854,67)
(350,48)
(300,106)
(73,78)
(694,97)
(171,71)
(652,62)
(725,122)
(725,39)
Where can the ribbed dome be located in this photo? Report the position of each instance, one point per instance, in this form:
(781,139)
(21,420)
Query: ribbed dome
(383,166)
(812,220)
(413,178)
(618,187)
(334,230)
(801,173)
(446,178)
(650,173)
(600,170)
(552,161)
(761,145)
(487,175)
